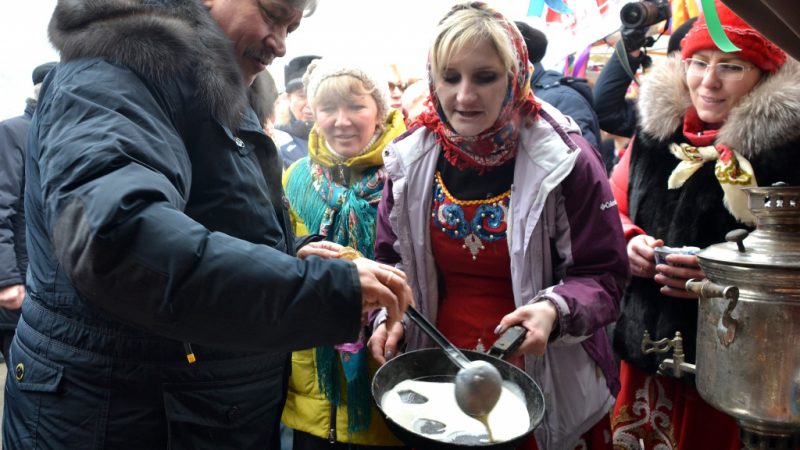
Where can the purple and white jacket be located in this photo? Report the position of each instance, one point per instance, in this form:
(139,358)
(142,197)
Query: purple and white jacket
(566,246)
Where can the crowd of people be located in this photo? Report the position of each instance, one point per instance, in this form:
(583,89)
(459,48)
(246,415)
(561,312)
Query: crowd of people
(191,258)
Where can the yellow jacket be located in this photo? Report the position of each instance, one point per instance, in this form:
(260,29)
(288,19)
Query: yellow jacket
(306,408)
(309,411)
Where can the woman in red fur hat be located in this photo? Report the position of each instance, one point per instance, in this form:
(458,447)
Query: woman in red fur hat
(710,123)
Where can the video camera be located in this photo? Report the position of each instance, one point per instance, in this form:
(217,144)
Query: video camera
(636,17)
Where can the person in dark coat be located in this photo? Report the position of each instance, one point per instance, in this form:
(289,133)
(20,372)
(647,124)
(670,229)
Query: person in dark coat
(13,255)
(165,288)
(293,143)
(572,96)
(262,96)
(617,115)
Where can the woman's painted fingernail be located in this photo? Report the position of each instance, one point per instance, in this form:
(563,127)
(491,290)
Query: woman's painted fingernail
(389,354)
(498,329)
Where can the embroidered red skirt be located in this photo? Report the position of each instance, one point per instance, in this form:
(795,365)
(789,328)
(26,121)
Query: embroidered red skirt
(666,414)
(597,438)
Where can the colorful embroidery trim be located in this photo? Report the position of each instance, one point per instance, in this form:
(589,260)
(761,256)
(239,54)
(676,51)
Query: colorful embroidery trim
(487,225)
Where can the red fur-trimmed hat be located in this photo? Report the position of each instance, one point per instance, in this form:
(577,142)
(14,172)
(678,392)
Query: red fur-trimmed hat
(755,48)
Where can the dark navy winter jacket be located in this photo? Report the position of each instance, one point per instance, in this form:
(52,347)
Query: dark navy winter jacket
(571,96)
(617,115)
(145,211)
(13,255)
(156,218)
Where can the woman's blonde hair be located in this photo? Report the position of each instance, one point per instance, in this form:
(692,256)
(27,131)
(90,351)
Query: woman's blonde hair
(467,28)
(329,80)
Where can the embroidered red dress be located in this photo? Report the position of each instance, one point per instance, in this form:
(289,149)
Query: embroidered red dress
(468,239)
(469,246)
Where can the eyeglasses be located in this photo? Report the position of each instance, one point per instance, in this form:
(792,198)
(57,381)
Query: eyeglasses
(725,71)
(402,86)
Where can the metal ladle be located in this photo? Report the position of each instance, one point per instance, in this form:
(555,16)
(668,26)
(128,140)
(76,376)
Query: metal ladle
(478,383)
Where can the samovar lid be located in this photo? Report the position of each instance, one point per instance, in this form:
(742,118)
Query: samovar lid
(775,243)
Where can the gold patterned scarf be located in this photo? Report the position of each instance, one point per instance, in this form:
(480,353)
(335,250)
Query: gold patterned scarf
(733,171)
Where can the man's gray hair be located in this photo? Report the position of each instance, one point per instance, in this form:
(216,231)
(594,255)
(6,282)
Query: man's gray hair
(308,6)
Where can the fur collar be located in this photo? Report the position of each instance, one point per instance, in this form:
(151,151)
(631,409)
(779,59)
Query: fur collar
(159,39)
(769,116)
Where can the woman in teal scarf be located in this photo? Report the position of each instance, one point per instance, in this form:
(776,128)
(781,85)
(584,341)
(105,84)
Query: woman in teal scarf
(334,192)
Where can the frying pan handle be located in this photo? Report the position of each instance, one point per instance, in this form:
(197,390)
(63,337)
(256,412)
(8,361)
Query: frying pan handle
(508,342)
(449,349)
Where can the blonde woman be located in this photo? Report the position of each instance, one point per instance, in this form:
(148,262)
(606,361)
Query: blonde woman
(334,194)
(501,214)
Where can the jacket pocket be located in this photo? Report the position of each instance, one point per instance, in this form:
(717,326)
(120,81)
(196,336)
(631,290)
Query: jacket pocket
(234,413)
(304,374)
(48,407)
(35,374)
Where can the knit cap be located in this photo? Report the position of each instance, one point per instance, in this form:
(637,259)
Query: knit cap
(755,48)
(327,68)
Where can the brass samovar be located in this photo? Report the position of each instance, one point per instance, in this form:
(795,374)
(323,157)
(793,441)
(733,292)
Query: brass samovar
(748,324)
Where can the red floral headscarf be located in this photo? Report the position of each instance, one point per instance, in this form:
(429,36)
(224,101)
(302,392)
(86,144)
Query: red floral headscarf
(498,143)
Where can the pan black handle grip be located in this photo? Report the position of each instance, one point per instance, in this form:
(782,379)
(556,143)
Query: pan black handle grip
(449,349)
(508,342)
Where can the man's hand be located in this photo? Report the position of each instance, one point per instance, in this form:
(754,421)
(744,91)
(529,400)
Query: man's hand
(384,341)
(323,249)
(383,286)
(11,296)
(673,276)
(633,38)
(538,318)
(641,255)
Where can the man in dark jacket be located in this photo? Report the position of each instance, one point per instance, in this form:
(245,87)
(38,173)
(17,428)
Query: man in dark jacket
(165,288)
(617,115)
(13,256)
(572,96)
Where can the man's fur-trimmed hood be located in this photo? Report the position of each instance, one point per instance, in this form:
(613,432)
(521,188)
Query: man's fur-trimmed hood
(158,39)
(767,117)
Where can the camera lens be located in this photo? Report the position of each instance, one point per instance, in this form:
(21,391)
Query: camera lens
(632,15)
(644,13)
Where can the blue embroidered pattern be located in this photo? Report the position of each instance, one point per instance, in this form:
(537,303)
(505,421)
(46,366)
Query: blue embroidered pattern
(487,225)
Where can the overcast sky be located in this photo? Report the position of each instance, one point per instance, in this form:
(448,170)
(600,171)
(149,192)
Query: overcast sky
(23,46)
(377,31)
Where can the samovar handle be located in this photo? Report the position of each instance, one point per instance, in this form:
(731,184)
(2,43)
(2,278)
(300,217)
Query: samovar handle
(737,237)
(705,289)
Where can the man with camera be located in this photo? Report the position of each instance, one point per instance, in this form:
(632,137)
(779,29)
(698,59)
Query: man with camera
(616,114)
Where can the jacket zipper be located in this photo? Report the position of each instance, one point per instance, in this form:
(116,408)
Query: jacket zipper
(332,430)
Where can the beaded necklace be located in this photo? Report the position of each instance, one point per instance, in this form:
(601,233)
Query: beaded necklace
(488,224)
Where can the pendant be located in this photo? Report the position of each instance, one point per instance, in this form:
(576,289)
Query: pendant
(474,244)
